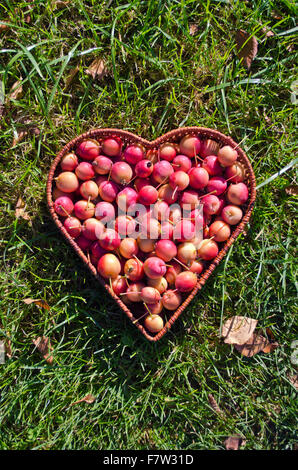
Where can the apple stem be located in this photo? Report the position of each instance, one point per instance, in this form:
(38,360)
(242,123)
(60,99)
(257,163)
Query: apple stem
(64,210)
(182,264)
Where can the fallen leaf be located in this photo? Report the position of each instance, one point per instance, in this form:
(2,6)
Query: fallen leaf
(39,302)
(87,399)
(18,137)
(247,47)
(97,69)
(267,32)
(238,329)
(43,345)
(214,405)
(4,27)
(16,91)
(20,210)
(294,380)
(270,347)
(193,29)
(71,76)
(59,5)
(233,442)
(292,190)
(254,345)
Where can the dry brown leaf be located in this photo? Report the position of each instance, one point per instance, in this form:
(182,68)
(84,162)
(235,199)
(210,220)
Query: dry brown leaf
(43,345)
(238,329)
(87,399)
(294,380)
(253,346)
(270,347)
(214,405)
(16,91)
(97,69)
(59,5)
(39,302)
(292,190)
(18,137)
(193,29)
(4,27)
(268,33)
(70,77)
(233,442)
(20,210)
(247,47)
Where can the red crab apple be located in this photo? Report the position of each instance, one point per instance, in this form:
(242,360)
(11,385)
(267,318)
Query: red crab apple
(167,151)
(104,211)
(125,225)
(63,206)
(92,229)
(110,240)
(152,155)
(84,209)
(161,171)
(108,190)
(179,180)
(160,284)
(58,193)
(73,226)
(211,204)
(141,182)
(190,146)
(144,168)
(150,295)
(227,155)
(121,173)
(146,244)
(212,166)
(172,272)
(150,227)
(111,147)
(154,267)
(89,190)
(209,147)
(184,231)
(109,266)
(96,250)
(186,281)
(69,162)
(196,267)
(237,193)
(217,185)
(171,300)
(119,285)
(83,242)
(88,149)
(133,153)
(168,194)
(134,269)
(186,253)
(148,195)
(67,182)
(128,248)
(126,198)
(133,292)
(165,249)
(161,210)
(189,199)
(232,214)
(198,178)
(153,323)
(208,249)
(84,171)
(181,162)
(235,173)
(102,165)
(219,231)
(155,309)
(166,230)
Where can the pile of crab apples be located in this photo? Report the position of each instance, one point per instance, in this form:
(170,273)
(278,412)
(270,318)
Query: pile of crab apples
(150,220)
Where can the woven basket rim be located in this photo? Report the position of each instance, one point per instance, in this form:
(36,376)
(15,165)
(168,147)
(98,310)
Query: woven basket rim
(130,137)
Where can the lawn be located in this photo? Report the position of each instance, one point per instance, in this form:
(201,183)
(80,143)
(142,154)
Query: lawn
(169,64)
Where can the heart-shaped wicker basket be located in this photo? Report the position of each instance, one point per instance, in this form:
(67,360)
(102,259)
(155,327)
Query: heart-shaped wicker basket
(172,136)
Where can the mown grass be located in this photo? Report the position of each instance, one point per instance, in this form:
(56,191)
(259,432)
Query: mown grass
(148,396)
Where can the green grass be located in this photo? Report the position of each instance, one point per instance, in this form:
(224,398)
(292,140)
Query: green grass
(148,396)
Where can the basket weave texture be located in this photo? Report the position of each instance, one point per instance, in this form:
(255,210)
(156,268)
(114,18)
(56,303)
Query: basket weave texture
(172,136)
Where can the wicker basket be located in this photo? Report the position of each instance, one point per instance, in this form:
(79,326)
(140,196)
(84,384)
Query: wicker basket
(173,136)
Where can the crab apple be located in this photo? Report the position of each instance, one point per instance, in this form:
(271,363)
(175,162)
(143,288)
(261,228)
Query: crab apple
(166,230)
(237,193)
(217,185)
(172,272)
(121,172)
(150,295)
(88,149)
(125,225)
(196,267)
(148,195)
(212,166)
(73,226)
(208,249)
(102,165)
(232,214)
(156,308)
(235,173)
(119,285)
(83,242)
(104,211)
(110,240)
(182,162)
(222,203)
(168,194)
(189,199)
(179,180)
(69,162)
(134,153)
(219,231)
(150,227)
(128,248)
(154,267)
(108,190)
(63,206)
(133,292)
(175,214)
(96,250)
(126,198)
(84,209)
(161,210)
(190,146)
(84,171)
(209,147)
(154,323)
(167,151)
(152,155)
(109,266)
(146,244)
(141,182)
(197,218)
(92,229)
(211,204)
(67,182)
(144,168)
(186,281)
(58,193)
(186,253)
(134,269)
(227,156)
(171,300)
(165,249)
(111,147)
(184,231)
(89,190)
(161,171)
(198,178)
(160,284)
